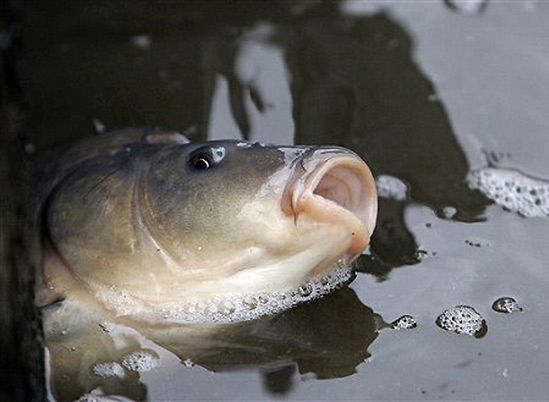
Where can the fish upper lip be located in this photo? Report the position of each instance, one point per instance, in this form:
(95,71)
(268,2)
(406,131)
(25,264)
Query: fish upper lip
(333,185)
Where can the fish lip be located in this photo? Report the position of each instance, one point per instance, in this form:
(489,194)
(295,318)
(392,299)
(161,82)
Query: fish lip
(354,200)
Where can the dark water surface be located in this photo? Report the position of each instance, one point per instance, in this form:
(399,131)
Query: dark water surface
(424,92)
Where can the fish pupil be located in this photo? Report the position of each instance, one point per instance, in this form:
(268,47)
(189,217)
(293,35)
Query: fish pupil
(201,163)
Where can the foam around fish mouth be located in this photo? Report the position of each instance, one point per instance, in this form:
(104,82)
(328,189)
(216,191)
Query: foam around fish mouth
(227,309)
(338,187)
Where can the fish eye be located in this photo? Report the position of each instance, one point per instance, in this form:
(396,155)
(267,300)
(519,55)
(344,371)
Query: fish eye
(201,162)
(207,157)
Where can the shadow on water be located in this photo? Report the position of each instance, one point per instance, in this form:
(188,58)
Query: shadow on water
(326,339)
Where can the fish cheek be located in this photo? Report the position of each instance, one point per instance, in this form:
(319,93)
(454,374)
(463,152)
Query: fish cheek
(195,215)
(90,221)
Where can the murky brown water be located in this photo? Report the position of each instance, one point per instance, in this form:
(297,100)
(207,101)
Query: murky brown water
(422,92)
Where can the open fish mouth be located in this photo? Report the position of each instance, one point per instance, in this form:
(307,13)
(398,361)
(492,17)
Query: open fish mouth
(335,186)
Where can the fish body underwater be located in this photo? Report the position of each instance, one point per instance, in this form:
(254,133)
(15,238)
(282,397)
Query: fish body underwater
(149,227)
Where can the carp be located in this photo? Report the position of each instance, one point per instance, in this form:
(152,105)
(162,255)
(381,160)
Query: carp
(155,228)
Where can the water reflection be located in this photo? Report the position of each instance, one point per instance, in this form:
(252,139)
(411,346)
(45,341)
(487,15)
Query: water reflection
(327,339)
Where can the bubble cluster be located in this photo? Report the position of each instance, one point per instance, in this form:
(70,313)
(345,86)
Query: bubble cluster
(391,187)
(140,361)
(243,144)
(463,320)
(187,363)
(404,322)
(513,190)
(506,305)
(97,395)
(252,306)
(108,369)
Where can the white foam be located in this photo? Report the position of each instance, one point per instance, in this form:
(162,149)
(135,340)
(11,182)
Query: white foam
(513,190)
(391,187)
(108,369)
(141,361)
(97,395)
(462,320)
(253,306)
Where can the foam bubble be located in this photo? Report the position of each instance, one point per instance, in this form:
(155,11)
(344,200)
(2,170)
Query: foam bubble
(97,395)
(188,363)
(252,306)
(404,322)
(449,212)
(463,320)
(142,360)
(513,190)
(108,369)
(391,187)
(506,305)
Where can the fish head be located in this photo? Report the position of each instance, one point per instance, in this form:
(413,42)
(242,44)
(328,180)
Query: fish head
(238,217)
(162,227)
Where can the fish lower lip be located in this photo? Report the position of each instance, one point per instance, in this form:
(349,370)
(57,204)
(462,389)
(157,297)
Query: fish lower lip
(335,186)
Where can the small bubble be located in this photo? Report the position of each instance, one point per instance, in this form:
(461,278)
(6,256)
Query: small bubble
(506,305)
(187,363)
(404,322)
(305,290)
(449,212)
(250,303)
(211,309)
(391,187)
(227,307)
(200,307)
(262,299)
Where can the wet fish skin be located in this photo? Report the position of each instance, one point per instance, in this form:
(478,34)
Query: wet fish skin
(145,218)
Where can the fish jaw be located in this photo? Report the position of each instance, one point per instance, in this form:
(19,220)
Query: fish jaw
(334,186)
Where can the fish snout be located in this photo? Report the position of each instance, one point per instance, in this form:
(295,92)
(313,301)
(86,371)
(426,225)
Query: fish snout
(334,185)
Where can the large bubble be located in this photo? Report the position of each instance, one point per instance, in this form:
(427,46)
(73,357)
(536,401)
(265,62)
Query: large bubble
(463,320)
